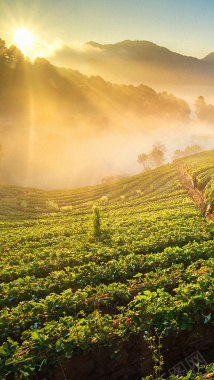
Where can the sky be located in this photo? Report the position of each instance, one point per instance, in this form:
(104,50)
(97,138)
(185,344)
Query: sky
(184,26)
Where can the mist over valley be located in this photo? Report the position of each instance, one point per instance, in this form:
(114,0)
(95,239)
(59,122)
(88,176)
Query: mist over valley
(60,128)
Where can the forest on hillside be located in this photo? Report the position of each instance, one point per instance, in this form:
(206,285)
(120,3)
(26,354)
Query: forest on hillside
(53,121)
(70,92)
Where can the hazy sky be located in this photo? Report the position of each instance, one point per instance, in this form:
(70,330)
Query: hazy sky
(184,26)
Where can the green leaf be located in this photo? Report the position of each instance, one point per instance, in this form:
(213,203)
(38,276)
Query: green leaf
(207,318)
(137,275)
(147,292)
(2,351)
(5,346)
(184,325)
(35,335)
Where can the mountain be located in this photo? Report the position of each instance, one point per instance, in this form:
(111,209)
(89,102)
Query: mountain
(57,124)
(209,58)
(137,62)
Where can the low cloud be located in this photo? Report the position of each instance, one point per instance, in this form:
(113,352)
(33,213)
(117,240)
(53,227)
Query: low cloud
(61,54)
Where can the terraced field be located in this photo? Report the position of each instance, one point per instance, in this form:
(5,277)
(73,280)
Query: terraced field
(201,167)
(69,297)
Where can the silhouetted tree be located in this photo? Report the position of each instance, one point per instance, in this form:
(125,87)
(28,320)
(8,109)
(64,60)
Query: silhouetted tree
(155,158)
(143,159)
(190,149)
(14,55)
(157,154)
(3,51)
(204,112)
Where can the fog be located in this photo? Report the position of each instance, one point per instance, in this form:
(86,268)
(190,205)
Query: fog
(62,129)
(187,92)
(133,62)
(73,159)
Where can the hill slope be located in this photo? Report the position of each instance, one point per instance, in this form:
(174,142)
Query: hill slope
(137,62)
(57,120)
(66,292)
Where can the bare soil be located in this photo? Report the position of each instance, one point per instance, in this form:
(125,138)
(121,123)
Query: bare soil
(196,195)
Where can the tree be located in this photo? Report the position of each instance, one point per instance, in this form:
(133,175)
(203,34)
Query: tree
(204,112)
(3,51)
(200,106)
(155,158)
(190,149)
(157,154)
(177,154)
(15,55)
(143,159)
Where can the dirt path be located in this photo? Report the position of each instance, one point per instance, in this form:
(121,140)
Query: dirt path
(195,193)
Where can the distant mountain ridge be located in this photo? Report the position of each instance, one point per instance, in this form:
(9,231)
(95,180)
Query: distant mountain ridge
(61,112)
(139,47)
(142,62)
(209,58)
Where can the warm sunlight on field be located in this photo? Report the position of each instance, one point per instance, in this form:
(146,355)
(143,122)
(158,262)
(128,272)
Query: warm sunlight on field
(106,190)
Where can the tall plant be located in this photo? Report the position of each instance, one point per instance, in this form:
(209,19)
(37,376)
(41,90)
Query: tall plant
(96,221)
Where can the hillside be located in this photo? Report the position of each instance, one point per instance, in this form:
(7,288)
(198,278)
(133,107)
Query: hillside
(141,62)
(80,306)
(72,120)
(209,58)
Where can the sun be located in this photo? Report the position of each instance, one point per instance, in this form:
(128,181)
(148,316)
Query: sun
(23,39)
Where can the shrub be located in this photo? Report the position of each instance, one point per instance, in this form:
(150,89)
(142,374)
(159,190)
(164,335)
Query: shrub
(103,200)
(96,221)
(66,208)
(88,204)
(52,205)
(37,208)
(23,204)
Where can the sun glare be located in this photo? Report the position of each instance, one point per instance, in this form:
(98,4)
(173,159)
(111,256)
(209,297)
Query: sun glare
(23,39)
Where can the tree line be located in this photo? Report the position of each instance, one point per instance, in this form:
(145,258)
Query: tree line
(156,157)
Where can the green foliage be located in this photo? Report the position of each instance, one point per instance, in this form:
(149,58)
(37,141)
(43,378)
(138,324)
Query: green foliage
(155,346)
(23,204)
(96,221)
(202,168)
(53,206)
(66,209)
(151,263)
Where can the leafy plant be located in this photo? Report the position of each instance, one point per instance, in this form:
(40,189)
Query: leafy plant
(96,221)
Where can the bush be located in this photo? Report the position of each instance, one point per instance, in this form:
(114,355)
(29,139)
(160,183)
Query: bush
(103,200)
(66,209)
(88,204)
(52,205)
(23,204)
(37,208)
(96,221)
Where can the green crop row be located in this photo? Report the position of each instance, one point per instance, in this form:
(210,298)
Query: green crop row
(65,291)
